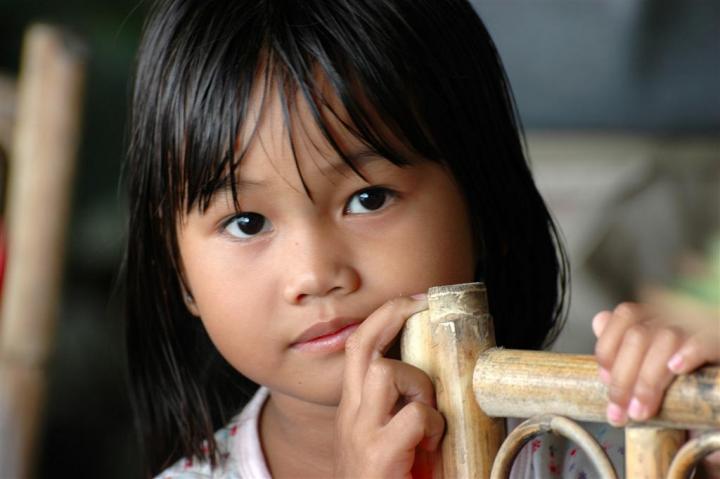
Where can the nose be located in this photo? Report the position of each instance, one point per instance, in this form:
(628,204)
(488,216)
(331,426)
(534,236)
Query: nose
(318,266)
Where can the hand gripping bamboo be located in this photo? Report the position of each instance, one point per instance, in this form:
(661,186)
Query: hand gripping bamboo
(445,342)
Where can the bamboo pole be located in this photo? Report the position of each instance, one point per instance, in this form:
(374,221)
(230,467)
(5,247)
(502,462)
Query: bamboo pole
(45,143)
(445,342)
(650,450)
(528,383)
(691,455)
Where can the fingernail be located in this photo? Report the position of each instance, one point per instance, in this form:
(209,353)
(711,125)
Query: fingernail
(615,415)
(637,410)
(676,363)
(419,296)
(604,376)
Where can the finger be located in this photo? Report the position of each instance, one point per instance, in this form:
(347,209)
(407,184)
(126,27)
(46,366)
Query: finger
(386,381)
(625,370)
(371,339)
(416,424)
(600,321)
(654,376)
(607,346)
(695,352)
(598,326)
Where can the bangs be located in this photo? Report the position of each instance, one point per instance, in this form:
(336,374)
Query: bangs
(224,61)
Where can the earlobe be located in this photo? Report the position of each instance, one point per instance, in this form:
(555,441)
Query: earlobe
(190,304)
(189,300)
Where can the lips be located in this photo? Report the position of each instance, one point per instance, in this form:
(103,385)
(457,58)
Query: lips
(326,335)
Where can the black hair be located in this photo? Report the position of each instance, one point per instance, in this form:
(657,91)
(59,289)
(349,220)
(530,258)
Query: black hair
(427,68)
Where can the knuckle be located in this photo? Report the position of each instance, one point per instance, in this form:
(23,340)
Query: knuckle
(602,354)
(380,369)
(646,391)
(618,393)
(376,458)
(627,310)
(636,335)
(669,335)
(416,411)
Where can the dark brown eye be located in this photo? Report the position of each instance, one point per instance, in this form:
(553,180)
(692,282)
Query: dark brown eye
(369,200)
(246,225)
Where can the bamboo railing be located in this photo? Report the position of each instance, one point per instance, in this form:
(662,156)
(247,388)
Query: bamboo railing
(477,385)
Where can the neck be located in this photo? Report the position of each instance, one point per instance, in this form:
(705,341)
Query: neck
(297,437)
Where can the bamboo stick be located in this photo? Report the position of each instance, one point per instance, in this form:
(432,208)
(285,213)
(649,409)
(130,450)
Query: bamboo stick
(445,342)
(650,450)
(45,143)
(528,383)
(691,455)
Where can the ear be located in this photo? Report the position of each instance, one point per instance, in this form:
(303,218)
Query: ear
(188,299)
(190,304)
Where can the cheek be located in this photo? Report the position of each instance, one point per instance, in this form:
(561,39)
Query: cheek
(431,248)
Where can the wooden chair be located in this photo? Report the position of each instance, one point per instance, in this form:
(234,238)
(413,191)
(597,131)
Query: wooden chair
(478,385)
(41,167)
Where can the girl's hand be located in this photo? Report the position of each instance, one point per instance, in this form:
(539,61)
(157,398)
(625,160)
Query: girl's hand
(376,435)
(640,350)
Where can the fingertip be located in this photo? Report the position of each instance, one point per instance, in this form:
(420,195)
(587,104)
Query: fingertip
(676,364)
(616,415)
(599,322)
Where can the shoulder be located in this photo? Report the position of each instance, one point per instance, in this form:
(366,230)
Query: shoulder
(197,468)
(232,441)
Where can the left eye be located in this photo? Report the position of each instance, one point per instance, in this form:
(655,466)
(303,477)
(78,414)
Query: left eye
(369,200)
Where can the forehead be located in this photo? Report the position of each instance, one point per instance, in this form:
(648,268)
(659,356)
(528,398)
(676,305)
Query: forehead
(284,134)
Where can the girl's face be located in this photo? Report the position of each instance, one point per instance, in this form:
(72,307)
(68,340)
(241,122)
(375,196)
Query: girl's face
(293,266)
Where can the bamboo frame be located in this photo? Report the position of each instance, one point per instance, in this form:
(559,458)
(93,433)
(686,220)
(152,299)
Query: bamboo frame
(42,163)
(444,342)
(556,424)
(650,450)
(512,383)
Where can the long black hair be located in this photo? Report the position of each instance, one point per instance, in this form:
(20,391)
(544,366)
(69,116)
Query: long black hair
(427,69)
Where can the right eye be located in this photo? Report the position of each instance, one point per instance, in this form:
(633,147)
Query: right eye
(247,225)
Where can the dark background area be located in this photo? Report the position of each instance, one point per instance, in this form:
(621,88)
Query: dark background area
(615,65)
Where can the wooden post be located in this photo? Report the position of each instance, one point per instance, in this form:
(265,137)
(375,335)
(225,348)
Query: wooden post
(445,342)
(42,165)
(650,450)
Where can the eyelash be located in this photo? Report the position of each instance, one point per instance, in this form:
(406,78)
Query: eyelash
(389,197)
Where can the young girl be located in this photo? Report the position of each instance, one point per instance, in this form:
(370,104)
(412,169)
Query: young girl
(300,173)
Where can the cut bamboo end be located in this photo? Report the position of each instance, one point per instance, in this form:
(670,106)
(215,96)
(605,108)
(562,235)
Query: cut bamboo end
(445,342)
(513,383)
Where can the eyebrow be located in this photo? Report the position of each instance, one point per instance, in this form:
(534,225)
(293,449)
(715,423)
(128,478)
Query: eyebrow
(357,159)
(352,162)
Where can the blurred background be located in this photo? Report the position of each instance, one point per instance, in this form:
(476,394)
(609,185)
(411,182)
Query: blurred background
(621,104)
